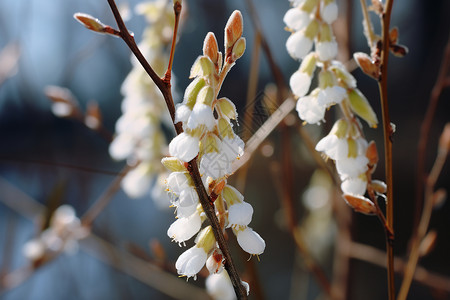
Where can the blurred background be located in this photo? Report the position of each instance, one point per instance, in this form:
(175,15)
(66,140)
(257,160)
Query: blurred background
(56,161)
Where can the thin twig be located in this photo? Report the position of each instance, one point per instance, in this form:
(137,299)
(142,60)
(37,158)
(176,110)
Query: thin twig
(177,12)
(192,165)
(387,130)
(368,24)
(100,204)
(425,130)
(423,224)
(377,257)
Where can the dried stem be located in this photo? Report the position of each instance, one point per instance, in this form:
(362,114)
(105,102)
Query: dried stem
(164,87)
(177,12)
(377,257)
(387,130)
(423,224)
(100,204)
(425,129)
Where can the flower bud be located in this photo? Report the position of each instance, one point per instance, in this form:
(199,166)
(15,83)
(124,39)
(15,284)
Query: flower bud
(190,95)
(360,204)
(225,129)
(238,49)
(444,140)
(360,105)
(90,22)
(227,108)
(379,186)
(393,35)
(372,153)
(173,164)
(398,50)
(203,66)
(205,239)
(210,47)
(233,29)
(367,66)
(439,197)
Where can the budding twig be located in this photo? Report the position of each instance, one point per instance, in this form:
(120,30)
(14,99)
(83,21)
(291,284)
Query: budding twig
(164,87)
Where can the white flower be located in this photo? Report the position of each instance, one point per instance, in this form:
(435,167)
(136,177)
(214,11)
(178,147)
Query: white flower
(232,148)
(329,12)
(219,286)
(352,166)
(298,45)
(184,146)
(185,228)
(310,110)
(354,186)
(215,165)
(201,114)
(327,50)
(331,95)
(250,241)
(191,262)
(136,182)
(296,19)
(122,146)
(300,83)
(182,113)
(240,214)
(177,182)
(334,147)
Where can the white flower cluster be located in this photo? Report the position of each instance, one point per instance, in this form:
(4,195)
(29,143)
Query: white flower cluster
(139,136)
(309,21)
(62,235)
(208,135)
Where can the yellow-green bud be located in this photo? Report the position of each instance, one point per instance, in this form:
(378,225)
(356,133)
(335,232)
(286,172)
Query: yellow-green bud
(173,164)
(203,66)
(309,5)
(326,79)
(206,95)
(231,195)
(190,95)
(238,49)
(225,129)
(309,64)
(326,35)
(205,239)
(312,29)
(340,128)
(227,108)
(352,148)
(360,105)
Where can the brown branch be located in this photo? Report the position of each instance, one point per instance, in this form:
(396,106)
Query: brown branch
(387,130)
(192,165)
(177,12)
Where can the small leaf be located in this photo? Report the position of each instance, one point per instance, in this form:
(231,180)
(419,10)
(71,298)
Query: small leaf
(360,204)
(367,66)
(393,36)
(398,50)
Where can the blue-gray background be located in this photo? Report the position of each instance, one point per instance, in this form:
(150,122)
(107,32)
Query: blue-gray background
(35,146)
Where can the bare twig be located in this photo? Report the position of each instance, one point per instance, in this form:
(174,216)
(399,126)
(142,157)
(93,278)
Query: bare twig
(388,131)
(438,87)
(423,224)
